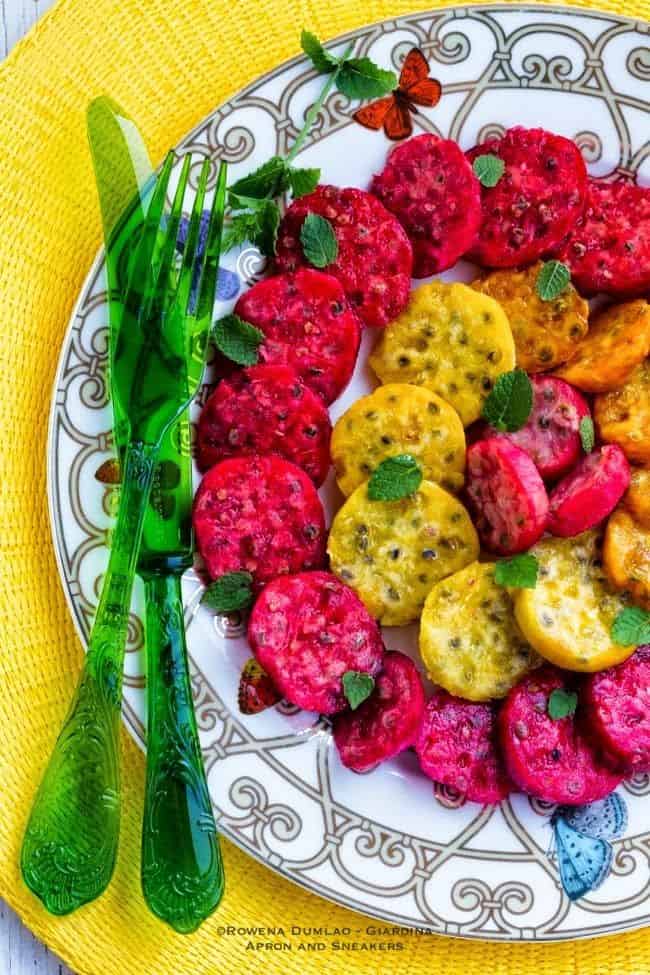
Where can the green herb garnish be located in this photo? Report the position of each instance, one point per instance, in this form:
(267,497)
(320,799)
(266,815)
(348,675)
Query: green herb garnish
(552,280)
(254,213)
(508,406)
(395,478)
(519,572)
(357,687)
(488,169)
(319,244)
(561,704)
(631,628)
(229,593)
(237,339)
(587,434)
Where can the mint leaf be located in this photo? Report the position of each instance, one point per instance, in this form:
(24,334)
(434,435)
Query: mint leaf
(302,181)
(552,280)
(587,435)
(519,572)
(266,234)
(229,592)
(361,78)
(259,226)
(357,687)
(319,244)
(508,406)
(237,339)
(395,478)
(323,61)
(242,227)
(268,180)
(561,704)
(488,169)
(631,628)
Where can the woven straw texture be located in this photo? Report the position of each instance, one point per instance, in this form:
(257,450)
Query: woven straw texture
(169,62)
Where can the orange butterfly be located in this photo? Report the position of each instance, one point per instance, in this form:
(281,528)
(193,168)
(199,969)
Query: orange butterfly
(394,112)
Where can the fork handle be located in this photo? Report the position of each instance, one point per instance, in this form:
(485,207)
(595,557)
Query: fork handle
(70,843)
(182,871)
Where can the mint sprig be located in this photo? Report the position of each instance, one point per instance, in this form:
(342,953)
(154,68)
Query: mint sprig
(508,406)
(237,339)
(254,214)
(320,57)
(631,628)
(553,278)
(229,593)
(395,478)
(518,572)
(355,77)
(357,686)
(488,169)
(561,704)
(319,243)
(587,434)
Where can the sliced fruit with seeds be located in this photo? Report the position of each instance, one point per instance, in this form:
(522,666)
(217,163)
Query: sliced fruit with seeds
(626,556)
(550,757)
(618,340)
(568,616)
(307,631)
(617,710)
(387,722)
(589,493)
(450,339)
(546,333)
(636,499)
(551,436)
(392,552)
(506,495)
(457,746)
(399,419)
(470,642)
(623,416)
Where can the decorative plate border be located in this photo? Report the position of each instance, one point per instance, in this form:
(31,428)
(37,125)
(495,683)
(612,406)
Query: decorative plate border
(254,819)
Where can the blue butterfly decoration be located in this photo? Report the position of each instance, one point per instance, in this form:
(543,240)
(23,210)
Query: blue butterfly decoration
(581,835)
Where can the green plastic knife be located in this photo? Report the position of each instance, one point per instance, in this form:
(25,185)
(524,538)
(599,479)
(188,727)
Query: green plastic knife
(182,871)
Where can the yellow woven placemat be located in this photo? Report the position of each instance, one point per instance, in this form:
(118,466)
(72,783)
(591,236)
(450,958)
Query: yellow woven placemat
(169,62)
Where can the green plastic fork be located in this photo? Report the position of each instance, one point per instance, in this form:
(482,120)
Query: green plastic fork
(70,844)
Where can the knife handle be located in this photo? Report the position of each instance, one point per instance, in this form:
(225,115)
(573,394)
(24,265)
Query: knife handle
(70,843)
(182,870)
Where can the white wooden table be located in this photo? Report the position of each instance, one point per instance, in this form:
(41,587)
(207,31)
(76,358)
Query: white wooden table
(20,952)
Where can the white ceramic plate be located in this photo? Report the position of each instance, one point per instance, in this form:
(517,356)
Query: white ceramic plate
(387,843)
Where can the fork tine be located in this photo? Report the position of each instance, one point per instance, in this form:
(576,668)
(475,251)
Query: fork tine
(141,278)
(212,252)
(168,248)
(186,273)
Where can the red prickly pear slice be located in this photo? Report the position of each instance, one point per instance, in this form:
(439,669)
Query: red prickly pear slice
(551,758)
(266,410)
(430,187)
(537,200)
(506,494)
(617,709)
(374,260)
(551,436)
(306,631)
(589,493)
(260,515)
(457,747)
(385,723)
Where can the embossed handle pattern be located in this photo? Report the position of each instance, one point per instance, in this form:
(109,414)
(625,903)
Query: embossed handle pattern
(70,844)
(182,871)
